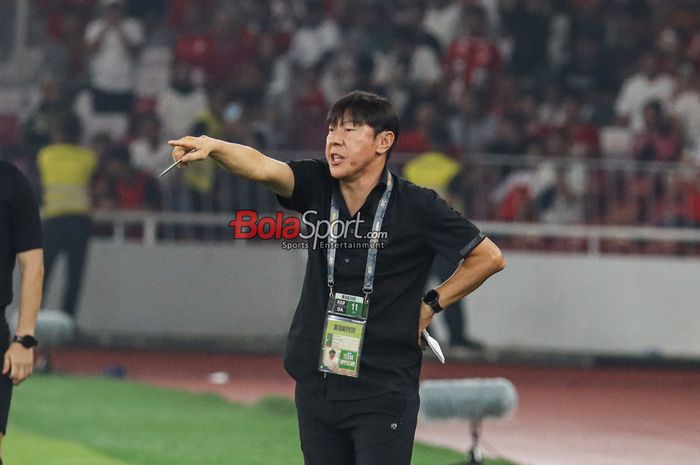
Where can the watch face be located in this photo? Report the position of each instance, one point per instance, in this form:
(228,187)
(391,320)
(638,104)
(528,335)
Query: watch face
(431,297)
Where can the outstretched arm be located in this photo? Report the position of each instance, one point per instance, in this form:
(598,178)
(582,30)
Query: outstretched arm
(240,160)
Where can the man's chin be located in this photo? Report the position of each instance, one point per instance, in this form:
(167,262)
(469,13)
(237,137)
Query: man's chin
(337,172)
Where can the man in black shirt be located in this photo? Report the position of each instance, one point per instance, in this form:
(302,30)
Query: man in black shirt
(362,291)
(20,239)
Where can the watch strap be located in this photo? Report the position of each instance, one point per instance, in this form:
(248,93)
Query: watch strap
(27,341)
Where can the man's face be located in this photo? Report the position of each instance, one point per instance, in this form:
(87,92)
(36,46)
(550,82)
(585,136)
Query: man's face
(350,148)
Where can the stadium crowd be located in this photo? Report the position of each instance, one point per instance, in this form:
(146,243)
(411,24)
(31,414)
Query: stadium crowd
(560,111)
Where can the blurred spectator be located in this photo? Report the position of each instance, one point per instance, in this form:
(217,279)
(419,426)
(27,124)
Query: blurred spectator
(317,36)
(544,188)
(693,198)
(442,20)
(433,168)
(660,140)
(591,73)
(565,200)
(113,42)
(178,105)
(234,48)
(407,59)
(510,137)
(473,126)
(583,136)
(131,187)
(629,31)
(52,106)
(308,132)
(195,42)
(650,83)
(66,171)
(686,104)
(473,61)
(671,206)
(528,24)
(200,178)
(150,153)
(415,138)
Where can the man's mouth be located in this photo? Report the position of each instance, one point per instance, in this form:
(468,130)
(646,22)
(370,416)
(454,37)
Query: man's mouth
(336,159)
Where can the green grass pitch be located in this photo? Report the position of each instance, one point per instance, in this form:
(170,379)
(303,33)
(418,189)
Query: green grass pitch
(61,420)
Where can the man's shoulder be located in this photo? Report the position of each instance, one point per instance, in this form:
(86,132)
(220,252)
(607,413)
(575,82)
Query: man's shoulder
(411,188)
(414,195)
(10,176)
(315,168)
(7,169)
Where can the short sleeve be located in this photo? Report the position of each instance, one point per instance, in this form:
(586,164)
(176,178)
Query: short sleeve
(449,233)
(309,177)
(26,225)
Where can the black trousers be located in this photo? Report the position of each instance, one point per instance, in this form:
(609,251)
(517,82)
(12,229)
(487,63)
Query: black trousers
(69,234)
(5,381)
(374,431)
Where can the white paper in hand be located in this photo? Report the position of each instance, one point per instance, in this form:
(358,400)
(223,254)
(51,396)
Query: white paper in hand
(434,345)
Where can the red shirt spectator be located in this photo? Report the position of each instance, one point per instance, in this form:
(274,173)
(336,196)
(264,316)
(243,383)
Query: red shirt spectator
(473,60)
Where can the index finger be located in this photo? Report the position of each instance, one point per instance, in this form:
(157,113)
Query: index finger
(185,142)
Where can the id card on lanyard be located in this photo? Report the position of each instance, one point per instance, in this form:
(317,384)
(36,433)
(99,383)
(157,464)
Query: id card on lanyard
(346,314)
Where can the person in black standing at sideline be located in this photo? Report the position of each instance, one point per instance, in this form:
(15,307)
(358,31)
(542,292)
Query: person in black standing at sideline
(362,294)
(20,240)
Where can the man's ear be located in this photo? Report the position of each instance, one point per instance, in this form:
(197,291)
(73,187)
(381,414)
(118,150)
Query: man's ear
(383,142)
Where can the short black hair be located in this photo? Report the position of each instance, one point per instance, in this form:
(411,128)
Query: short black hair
(366,108)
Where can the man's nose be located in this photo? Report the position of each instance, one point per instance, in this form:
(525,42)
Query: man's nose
(334,138)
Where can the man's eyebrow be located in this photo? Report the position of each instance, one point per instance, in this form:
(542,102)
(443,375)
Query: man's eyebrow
(345,122)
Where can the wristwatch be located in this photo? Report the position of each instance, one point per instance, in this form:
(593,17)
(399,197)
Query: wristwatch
(432,298)
(28,341)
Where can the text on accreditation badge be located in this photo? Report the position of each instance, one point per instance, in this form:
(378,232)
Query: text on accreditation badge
(343,335)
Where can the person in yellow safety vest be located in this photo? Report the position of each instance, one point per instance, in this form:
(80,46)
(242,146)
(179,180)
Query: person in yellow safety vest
(201,180)
(66,171)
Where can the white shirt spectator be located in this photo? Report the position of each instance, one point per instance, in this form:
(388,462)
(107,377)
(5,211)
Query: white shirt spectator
(424,68)
(112,66)
(147,158)
(686,107)
(637,91)
(443,22)
(309,44)
(177,111)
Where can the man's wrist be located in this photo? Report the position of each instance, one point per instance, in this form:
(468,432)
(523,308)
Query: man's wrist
(27,341)
(432,299)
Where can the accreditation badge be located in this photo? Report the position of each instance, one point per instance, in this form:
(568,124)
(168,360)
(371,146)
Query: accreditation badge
(343,334)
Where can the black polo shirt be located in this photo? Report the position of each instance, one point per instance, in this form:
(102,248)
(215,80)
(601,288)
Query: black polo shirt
(20,226)
(418,224)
